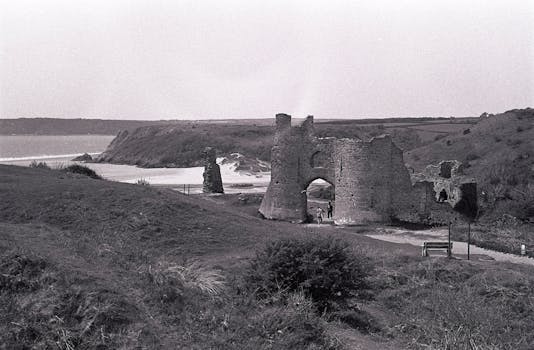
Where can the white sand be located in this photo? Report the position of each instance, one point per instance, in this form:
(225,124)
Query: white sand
(161,176)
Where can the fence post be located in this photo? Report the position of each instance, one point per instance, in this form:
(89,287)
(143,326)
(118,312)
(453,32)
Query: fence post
(468,240)
(449,250)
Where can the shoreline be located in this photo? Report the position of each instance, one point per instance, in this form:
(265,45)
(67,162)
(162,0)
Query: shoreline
(173,178)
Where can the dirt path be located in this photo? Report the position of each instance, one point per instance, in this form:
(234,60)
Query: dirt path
(459,250)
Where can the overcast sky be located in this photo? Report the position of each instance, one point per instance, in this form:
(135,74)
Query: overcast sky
(158,59)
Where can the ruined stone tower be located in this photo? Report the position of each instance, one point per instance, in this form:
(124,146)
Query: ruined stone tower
(371,182)
(212,173)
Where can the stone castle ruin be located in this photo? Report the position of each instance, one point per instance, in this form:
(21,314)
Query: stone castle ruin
(371,182)
(212,172)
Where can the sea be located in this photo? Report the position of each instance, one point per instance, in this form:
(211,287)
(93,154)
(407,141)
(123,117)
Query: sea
(58,151)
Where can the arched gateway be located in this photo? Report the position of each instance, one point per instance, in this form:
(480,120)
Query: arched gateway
(370,180)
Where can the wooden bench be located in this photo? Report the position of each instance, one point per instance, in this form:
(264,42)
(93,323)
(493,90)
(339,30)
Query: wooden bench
(437,246)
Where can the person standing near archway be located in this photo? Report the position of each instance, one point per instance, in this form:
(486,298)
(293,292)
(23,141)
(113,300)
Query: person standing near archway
(329,210)
(319,215)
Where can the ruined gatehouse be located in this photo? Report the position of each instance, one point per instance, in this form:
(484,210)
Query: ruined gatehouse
(370,180)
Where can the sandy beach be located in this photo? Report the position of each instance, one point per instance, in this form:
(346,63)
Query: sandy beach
(175,178)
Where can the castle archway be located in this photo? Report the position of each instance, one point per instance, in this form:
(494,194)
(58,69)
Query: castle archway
(318,193)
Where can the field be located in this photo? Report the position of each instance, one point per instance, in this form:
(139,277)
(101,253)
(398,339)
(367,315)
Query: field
(93,264)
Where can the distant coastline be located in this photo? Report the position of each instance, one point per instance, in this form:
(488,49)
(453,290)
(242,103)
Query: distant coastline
(43,157)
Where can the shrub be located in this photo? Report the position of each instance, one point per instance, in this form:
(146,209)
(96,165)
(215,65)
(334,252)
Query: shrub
(322,268)
(466,131)
(40,165)
(289,325)
(83,170)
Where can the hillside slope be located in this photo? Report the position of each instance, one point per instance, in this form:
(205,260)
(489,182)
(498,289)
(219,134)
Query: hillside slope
(182,145)
(498,151)
(93,264)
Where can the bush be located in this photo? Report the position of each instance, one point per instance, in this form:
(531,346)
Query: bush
(322,268)
(83,170)
(142,182)
(40,165)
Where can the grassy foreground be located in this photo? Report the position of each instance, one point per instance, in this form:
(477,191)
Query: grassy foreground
(92,264)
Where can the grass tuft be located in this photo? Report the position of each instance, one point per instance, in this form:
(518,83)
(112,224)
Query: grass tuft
(191,275)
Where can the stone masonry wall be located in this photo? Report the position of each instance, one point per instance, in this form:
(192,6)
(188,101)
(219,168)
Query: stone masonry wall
(212,172)
(370,180)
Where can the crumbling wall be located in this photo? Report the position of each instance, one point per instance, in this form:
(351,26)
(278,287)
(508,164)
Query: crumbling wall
(297,158)
(212,172)
(371,182)
(459,199)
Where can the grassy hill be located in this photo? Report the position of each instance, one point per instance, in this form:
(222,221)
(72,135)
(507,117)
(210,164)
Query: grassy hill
(93,264)
(182,145)
(499,152)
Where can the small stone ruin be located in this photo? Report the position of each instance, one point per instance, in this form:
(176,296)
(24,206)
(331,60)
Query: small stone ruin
(212,172)
(447,183)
